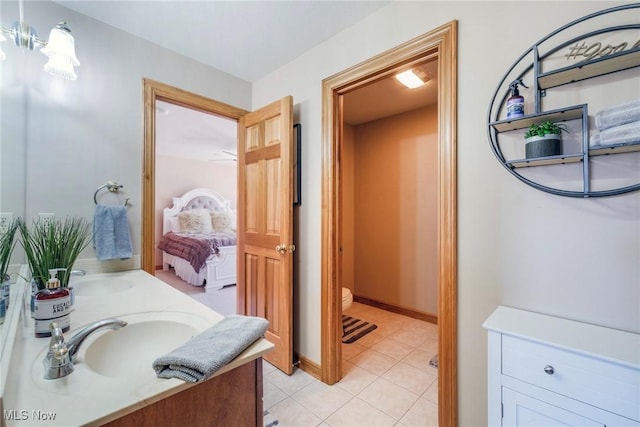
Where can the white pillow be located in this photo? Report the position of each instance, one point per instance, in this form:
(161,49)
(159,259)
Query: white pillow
(221,222)
(174,224)
(195,221)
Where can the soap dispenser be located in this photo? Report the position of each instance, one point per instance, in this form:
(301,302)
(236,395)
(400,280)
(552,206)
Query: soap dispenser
(52,304)
(515,103)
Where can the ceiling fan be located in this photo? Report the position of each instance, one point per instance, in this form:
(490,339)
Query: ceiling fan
(230,157)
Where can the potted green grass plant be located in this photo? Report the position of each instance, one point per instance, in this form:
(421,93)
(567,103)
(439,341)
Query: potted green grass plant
(544,139)
(7,243)
(52,245)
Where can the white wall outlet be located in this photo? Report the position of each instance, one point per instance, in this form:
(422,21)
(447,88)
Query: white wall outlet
(5,220)
(46,219)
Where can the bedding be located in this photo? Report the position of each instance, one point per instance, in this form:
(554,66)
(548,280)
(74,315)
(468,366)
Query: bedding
(195,247)
(222,222)
(195,221)
(199,240)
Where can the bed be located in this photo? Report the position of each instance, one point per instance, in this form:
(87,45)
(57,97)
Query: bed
(199,239)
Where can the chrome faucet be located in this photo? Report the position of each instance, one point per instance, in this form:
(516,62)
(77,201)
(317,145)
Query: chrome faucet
(62,355)
(57,362)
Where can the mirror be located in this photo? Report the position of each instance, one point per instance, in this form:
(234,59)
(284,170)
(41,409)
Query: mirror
(61,140)
(12,131)
(12,175)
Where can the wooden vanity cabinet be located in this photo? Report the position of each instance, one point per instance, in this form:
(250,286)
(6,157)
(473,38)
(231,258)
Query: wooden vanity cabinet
(230,399)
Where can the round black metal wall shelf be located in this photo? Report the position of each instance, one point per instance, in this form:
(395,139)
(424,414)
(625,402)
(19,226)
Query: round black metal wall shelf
(581,44)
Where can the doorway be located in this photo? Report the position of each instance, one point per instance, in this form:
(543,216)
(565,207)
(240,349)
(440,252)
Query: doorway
(196,158)
(155,91)
(440,43)
(388,196)
(264,274)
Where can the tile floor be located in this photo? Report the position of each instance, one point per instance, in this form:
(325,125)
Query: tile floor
(387,379)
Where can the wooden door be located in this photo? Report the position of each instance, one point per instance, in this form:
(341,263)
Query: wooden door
(265,232)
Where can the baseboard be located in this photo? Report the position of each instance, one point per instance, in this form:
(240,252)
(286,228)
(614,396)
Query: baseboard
(428,317)
(309,367)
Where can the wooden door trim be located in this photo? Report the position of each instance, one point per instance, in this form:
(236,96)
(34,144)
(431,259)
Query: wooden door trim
(442,42)
(153,91)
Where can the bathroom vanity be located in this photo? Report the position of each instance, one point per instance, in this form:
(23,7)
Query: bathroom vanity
(113,382)
(548,371)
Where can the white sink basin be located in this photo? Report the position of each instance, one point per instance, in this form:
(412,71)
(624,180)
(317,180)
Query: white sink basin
(99,286)
(129,351)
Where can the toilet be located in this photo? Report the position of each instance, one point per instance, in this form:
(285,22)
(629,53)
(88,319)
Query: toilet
(347,298)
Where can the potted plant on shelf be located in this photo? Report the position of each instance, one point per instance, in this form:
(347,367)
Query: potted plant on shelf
(544,139)
(7,243)
(54,245)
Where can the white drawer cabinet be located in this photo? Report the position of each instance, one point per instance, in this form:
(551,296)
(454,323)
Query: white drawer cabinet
(547,371)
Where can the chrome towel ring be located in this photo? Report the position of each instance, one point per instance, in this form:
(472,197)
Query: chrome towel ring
(113,187)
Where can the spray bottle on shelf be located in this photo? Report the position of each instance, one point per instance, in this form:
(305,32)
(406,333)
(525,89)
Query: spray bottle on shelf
(515,103)
(52,304)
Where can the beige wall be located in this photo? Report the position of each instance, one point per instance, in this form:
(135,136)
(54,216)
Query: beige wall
(395,210)
(348,201)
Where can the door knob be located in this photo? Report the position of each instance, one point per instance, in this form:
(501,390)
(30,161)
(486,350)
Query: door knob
(282,249)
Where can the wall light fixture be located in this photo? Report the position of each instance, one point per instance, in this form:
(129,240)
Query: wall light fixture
(60,49)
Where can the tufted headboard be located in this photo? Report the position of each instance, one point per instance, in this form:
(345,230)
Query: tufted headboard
(199,198)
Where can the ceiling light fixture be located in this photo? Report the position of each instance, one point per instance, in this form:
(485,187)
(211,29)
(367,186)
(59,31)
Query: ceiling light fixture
(60,49)
(412,79)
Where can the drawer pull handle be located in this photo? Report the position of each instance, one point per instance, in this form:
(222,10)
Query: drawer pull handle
(549,369)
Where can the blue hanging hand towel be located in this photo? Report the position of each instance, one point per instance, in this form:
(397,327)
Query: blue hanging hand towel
(111,237)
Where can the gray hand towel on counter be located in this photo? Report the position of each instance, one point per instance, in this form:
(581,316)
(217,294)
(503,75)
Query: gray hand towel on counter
(209,351)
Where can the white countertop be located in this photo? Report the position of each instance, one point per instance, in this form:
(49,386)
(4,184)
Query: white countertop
(86,397)
(598,341)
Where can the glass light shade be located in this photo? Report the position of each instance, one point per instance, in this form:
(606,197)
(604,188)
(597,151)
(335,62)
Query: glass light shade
(61,43)
(60,66)
(410,79)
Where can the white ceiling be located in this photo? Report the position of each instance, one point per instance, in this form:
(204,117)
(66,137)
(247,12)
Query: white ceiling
(247,39)
(185,133)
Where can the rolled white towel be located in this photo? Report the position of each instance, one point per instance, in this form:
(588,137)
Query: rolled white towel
(594,140)
(624,134)
(618,115)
